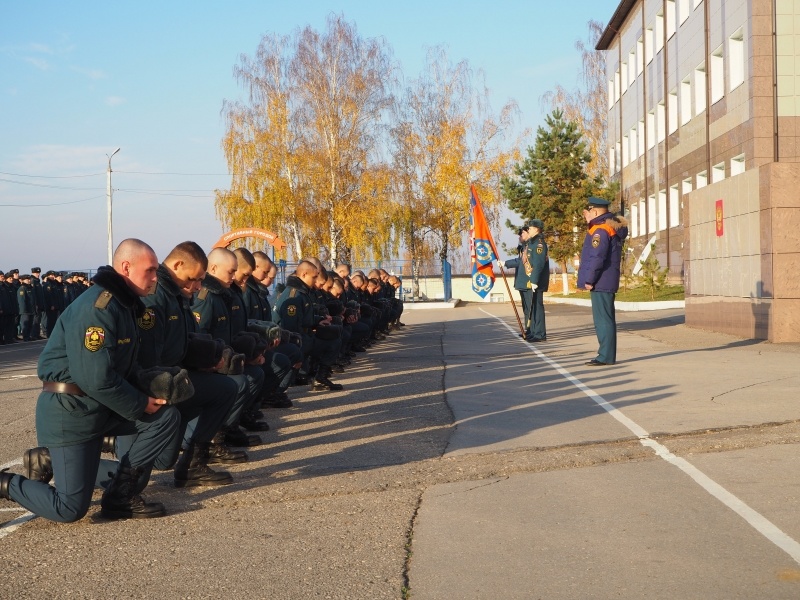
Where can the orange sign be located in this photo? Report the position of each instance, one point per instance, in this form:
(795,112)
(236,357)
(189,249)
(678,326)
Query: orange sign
(237,234)
(719,218)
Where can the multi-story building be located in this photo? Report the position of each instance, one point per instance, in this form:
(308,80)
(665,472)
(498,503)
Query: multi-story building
(704,140)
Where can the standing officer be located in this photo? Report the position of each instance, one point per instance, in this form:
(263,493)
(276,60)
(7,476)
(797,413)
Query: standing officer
(599,273)
(522,272)
(86,394)
(539,278)
(6,297)
(53,301)
(26,302)
(38,295)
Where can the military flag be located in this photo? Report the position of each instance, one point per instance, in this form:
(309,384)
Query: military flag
(482,249)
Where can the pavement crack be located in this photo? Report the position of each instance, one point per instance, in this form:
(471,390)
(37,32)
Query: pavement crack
(744,387)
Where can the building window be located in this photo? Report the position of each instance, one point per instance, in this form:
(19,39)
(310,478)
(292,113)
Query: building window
(626,157)
(662,210)
(686,101)
(632,67)
(700,89)
(624,74)
(737,165)
(651,130)
(683,11)
(612,167)
(736,59)
(639,56)
(634,144)
(610,94)
(635,220)
(702,180)
(661,121)
(659,31)
(651,214)
(642,218)
(618,152)
(673,110)
(686,186)
(616,86)
(717,75)
(718,172)
(648,45)
(670,18)
(674,207)
(641,137)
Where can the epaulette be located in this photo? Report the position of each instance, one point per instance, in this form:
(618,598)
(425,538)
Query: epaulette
(293,293)
(201,295)
(103,299)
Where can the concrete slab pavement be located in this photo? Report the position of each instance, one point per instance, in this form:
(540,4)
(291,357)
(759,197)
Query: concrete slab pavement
(655,528)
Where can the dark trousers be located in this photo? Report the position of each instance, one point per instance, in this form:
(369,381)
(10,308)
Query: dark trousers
(214,395)
(277,373)
(51,316)
(78,469)
(26,326)
(525,301)
(605,326)
(537,325)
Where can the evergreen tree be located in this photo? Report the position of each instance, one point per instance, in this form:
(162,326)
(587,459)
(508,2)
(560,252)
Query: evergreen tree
(551,184)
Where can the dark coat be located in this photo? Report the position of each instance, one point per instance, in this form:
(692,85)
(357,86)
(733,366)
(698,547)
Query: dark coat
(601,255)
(94,346)
(521,279)
(539,261)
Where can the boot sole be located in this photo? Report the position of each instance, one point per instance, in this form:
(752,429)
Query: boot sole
(116,516)
(202,483)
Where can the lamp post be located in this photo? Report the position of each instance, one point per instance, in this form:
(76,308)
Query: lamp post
(108,202)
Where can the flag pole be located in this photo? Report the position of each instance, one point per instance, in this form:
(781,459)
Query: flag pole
(513,304)
(502,271)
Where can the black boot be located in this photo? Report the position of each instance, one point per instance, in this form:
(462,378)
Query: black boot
(277,400)
(5,481)
(193,470)
(251,422)
(322,383)
(234,436)
(120,500)
(37,464)
(219,452)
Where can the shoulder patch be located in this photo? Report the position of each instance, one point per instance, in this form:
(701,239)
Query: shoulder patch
(202,294)
(147,320)
(103,299)
(291,310)
(539,249)
(595,240)
(196,316)
(93,338)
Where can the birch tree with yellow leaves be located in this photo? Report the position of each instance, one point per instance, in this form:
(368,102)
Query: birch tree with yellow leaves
(445,136)
(303,151)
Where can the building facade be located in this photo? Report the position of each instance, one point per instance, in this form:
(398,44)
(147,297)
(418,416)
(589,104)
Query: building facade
(704,140)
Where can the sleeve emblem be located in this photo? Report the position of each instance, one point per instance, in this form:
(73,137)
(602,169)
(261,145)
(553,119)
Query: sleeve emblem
(291,310)
(94,338)
(595,240)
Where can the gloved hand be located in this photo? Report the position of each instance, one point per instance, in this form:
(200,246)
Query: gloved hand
(534,286)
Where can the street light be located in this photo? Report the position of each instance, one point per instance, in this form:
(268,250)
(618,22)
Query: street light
(108,202)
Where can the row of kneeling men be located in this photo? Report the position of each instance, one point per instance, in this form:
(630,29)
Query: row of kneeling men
(168,366)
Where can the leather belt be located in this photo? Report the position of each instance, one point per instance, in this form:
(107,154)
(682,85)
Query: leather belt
(62,388)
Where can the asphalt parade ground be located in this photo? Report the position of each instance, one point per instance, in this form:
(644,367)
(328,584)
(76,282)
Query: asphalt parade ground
(461,462)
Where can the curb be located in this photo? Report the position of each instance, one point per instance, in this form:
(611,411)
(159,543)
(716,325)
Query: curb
(624,306)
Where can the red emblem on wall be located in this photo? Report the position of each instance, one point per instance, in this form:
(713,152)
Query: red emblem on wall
(718,218)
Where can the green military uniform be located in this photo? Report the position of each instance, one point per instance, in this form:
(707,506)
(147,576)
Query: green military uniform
(540,280)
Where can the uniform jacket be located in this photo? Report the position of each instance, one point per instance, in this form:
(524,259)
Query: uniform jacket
(521,278)
(602,253)
(212,307)
(93,345)
(165,326)
(26,301)
(256,305)
(38,293)
(539,262)
(294,309)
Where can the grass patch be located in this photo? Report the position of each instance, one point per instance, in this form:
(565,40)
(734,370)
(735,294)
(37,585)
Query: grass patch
(668,292)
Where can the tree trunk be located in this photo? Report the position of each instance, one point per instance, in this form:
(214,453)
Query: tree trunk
(564,278)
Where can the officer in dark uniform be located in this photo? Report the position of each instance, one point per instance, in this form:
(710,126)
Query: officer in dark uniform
(164,332)
(53,301)
(522,281)
(6,297)
(38,295)
(215,311)
(294,311)
(27,307)
(539,278)
(86,394)
(599,273)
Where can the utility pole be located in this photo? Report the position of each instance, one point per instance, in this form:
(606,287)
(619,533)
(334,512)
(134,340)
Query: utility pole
(108,202)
